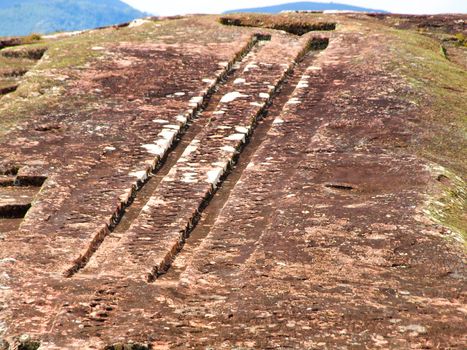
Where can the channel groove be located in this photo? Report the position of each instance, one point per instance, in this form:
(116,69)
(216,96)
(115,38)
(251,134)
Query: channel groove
(125,215)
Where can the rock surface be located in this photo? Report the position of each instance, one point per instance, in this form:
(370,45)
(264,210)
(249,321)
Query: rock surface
(199,185)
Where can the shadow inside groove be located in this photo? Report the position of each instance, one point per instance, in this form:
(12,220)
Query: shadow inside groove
(203,225)
(123,219)
(290,26)
(16,197)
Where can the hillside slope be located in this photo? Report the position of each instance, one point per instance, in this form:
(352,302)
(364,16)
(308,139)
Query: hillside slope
(304,6)
(22,17)
(184,184)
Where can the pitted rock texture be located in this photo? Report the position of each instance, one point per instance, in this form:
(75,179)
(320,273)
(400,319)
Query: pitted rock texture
(281,192)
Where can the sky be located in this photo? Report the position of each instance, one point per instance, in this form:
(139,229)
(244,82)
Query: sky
(174,7)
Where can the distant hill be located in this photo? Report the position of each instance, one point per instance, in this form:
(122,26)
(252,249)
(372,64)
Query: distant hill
(305,6)
(22,17)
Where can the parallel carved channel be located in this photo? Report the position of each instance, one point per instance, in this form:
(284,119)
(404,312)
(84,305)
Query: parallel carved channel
(210,213)
(124,217)
(152,239)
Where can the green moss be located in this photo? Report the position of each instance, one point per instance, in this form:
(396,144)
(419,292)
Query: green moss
(449,206)
(440,88)
(443,51)
(8,63)
(461,39)
(440,92)
(41,90)
(31,38)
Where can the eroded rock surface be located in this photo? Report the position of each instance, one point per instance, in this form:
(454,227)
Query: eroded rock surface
(186,184)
